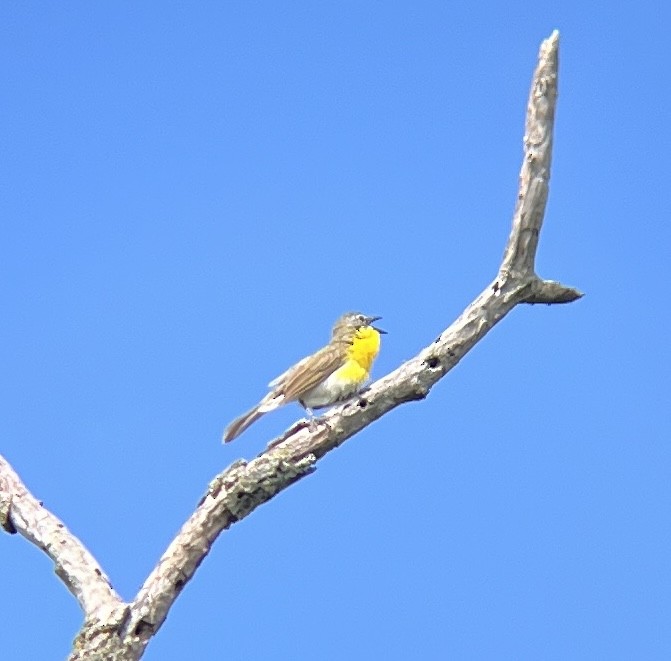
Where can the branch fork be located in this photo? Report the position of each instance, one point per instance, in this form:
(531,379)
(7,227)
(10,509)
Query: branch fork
(116,630)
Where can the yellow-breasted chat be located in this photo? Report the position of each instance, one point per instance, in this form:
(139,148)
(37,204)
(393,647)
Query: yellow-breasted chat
(330,375)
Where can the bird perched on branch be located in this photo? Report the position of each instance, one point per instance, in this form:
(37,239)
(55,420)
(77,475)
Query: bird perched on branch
(332,374)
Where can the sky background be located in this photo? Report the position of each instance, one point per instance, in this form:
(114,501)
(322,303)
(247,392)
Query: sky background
(191,193)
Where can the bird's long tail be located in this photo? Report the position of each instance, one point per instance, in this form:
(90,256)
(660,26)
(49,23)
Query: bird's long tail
(240,424)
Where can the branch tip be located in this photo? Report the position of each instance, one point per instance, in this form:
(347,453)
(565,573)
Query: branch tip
(550,292)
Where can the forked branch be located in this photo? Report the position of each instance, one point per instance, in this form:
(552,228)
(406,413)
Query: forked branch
(114,630)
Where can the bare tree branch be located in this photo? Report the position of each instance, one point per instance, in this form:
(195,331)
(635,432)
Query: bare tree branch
(21,512)
(237,491)
(114,630)
(520,253)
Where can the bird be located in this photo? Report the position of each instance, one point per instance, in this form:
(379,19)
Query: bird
(333,374)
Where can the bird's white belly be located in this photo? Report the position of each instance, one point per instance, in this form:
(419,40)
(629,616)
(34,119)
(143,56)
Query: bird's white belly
(331,390)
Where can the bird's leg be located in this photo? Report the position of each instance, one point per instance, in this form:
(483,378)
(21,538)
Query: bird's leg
(312,424)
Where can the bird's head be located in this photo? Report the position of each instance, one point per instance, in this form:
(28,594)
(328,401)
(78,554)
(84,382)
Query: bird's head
(349,323)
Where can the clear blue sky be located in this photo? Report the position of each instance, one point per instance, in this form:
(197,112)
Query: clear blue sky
(192,192)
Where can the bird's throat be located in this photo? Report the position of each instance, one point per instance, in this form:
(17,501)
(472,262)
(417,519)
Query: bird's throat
(364,348)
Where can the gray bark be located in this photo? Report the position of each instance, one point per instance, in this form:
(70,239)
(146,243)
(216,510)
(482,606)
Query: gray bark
(115,630)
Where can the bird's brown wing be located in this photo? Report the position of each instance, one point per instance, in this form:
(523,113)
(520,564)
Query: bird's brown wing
(311,371)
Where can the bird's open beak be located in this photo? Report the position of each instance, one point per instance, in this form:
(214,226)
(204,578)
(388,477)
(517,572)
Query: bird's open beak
(379,330)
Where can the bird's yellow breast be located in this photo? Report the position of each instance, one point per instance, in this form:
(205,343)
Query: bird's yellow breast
(360,355)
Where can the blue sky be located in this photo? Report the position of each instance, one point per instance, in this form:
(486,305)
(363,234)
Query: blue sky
(192,192)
